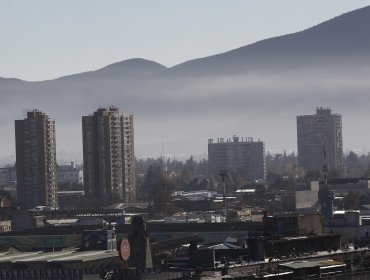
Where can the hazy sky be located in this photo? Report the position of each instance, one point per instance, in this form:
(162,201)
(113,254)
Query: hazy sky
(43,39)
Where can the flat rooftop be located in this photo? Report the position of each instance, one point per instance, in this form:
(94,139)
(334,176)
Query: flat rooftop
(311,264)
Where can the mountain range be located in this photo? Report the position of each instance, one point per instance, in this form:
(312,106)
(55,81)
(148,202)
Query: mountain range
(253,91)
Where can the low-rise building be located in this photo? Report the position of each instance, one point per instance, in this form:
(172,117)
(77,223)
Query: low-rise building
(70,174)
(292,224)
(351,225)
(346,185)
(8,175)
(23,220)
(306,199)
(5,224)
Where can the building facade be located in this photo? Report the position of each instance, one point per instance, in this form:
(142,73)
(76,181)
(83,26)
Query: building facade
(106,144)
(320,140)
(128,158)
(70,174)
(36,161)
(8,175)
(242,155)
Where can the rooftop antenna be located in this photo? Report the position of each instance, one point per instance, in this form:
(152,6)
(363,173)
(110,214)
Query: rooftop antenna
(325,195)
(162,147)
(162,157)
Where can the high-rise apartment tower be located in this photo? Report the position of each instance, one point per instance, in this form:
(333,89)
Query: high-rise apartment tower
(108,151)
(128,158)
(320,140)
(237,154)
(36,161)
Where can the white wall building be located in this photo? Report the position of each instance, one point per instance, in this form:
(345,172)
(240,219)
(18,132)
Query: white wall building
(70,174)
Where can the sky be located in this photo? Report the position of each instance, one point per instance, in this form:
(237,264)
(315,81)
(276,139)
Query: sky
(43,39)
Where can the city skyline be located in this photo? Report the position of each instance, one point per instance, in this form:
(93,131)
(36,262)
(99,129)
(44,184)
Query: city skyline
(129,121)
(261,100)
(181,139)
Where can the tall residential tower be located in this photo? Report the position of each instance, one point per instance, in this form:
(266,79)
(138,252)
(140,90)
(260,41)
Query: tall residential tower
(108,152)
(36,161)
(320,140)
(128,158)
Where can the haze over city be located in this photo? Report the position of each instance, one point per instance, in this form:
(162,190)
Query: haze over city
(185,139)
(177,109)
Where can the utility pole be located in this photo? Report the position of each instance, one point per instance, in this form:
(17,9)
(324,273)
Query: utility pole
(325,195)
(223,174)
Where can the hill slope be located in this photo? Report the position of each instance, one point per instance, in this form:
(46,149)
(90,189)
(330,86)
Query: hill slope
(343,39)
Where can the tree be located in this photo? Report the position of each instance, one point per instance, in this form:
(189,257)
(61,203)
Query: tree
(313,175)
(283,164)
(188,172)
(160,194)
(193,185)
(275,180)
(356,166)
(161,191)
(153,175)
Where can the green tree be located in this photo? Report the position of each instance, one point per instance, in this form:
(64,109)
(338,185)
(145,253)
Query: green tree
(188,172)
(161,191)
(153,175)
(160,194)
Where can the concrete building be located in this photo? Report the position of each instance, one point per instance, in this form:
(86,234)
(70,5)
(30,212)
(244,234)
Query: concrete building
(8,175)
(36,161)
(237,154)
(292,224)
(320,140)
(343,186)
(70,174)
(109,159)
(307,196)
(351,225)
(128,158)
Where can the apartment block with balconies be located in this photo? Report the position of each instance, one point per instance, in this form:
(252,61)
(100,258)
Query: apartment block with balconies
(36,161)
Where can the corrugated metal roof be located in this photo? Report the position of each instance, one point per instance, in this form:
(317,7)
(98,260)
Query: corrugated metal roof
(14,256)
(60,256)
